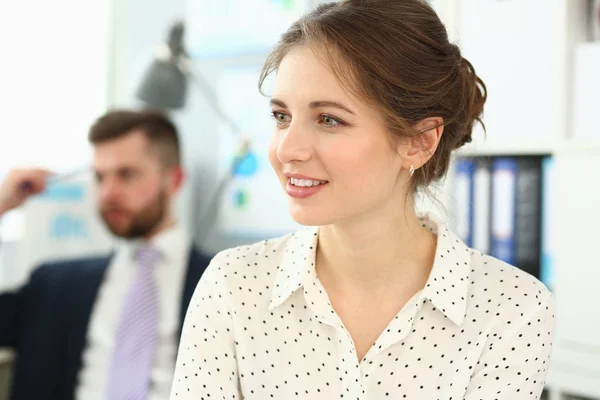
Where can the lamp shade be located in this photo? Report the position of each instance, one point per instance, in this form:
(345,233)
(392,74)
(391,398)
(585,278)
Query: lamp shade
(164,85)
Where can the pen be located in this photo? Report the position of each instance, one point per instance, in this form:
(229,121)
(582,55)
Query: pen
(67,175)
(57,178)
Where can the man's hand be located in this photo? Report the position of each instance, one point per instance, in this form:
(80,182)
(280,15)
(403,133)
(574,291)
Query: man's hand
(19,185)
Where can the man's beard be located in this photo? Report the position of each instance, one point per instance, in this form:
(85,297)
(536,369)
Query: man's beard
(141,223)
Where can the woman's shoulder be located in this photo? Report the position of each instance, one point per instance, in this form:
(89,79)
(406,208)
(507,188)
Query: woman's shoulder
(265,253)
(495,281)
(491,281)
(493,270)
(251,273)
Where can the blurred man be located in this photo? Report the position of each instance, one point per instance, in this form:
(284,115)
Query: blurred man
(108,328)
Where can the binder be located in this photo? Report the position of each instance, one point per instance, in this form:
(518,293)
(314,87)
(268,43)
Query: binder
(528,215)
(465,168)
(482,204)
(516,212)
(547,231)
(504,198)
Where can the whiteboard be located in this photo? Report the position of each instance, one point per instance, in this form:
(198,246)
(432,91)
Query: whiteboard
(61,223)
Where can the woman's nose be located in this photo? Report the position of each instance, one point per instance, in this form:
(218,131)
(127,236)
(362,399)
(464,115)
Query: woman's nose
(294,144)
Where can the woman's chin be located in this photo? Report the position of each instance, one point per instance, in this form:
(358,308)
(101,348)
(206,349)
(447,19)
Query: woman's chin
(310,217)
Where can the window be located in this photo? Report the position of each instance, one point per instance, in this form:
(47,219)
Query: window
(53,75)
(53,80)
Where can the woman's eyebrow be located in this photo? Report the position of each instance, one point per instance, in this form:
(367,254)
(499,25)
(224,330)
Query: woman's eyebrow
(326,103)
(315,104)
(275,102)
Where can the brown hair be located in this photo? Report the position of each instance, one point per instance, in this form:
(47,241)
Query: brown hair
(394,55)
(158,128)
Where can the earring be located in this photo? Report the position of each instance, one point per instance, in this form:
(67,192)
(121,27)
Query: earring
(411,170)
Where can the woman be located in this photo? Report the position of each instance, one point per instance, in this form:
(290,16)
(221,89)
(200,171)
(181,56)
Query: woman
(370,300)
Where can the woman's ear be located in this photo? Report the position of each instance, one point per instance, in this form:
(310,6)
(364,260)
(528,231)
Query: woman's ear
(419,149)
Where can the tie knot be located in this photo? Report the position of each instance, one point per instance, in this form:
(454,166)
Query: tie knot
(147,255)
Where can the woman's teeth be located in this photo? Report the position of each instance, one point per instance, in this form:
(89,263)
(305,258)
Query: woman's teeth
(306,182)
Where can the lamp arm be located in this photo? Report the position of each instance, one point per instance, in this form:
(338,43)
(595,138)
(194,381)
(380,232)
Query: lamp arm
(208,217)
(209,94)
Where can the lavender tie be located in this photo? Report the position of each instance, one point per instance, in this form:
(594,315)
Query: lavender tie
(135,345)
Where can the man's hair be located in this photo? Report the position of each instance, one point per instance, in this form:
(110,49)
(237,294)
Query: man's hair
(156,126)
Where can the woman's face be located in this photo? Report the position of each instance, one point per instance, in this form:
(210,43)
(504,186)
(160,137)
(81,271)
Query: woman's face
(331,152)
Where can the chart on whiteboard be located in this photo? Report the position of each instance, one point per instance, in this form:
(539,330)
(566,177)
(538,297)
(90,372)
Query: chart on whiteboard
(238,27)
(254,204)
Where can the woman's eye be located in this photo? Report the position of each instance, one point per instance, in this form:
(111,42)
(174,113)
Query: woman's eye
(280,118)
(329,121)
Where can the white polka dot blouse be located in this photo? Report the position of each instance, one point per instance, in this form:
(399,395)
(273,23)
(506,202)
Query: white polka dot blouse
(260,326)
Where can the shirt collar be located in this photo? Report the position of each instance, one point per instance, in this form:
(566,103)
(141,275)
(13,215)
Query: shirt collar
(172,243)
(448,282)
(446,286)
(296,266)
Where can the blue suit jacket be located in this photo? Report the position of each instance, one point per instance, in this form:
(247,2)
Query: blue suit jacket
(46,323)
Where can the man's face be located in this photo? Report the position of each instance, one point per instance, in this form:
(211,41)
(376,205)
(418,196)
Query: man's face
(134,190)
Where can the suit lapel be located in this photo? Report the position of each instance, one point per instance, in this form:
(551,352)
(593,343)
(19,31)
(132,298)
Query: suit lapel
(85,284)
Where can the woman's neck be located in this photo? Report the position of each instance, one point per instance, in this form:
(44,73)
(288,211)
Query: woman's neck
(376,254)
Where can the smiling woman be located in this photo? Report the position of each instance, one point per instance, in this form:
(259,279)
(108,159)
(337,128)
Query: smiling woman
(370,300)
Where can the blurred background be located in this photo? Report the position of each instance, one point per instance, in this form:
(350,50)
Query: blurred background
(527,191)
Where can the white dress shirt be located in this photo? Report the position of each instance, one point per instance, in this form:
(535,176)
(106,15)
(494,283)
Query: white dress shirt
(174,246)
(260,326)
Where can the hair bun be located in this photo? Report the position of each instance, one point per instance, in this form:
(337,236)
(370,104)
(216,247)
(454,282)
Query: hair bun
(475,95)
